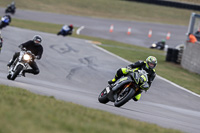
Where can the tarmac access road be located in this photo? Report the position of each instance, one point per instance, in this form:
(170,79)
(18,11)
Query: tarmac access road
(99,27)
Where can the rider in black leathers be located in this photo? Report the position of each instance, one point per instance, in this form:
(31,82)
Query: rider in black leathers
(36,48)
(11,8)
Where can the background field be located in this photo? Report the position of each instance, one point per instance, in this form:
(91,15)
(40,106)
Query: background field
(118,9)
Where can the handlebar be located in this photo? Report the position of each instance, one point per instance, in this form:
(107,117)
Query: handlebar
(23,49)
(28,51)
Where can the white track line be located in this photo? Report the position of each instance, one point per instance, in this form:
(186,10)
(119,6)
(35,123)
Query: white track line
(182,88)
(79,30)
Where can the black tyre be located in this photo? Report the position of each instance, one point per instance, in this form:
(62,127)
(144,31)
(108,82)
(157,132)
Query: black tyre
(1,25)
(13,12)
(18,70)
(103,97)
(124,98)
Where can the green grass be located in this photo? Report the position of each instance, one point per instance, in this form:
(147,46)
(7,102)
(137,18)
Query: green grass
(25,112)
(184,78)
(115,9)
(32,25)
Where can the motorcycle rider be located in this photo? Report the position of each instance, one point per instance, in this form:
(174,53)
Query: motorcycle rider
(36,48)
(11,7)
(148,65)
(66,30)
(5,21)
(161,44)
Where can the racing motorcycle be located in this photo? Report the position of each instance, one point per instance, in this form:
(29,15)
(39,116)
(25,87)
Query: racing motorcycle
(159,45)
(5,21)
(125,88)
(20,64)
(11,8)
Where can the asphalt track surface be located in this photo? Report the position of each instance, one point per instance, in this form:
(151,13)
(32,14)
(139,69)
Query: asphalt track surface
(75,70)
(99,27)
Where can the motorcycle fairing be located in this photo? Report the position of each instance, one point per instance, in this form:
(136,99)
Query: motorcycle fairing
(145,86)
(111,96)
(122,82)
(136,77)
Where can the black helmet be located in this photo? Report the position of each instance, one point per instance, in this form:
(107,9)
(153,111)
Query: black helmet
(37,39)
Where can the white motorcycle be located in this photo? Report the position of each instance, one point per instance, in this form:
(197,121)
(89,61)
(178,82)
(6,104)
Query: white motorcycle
(20,64)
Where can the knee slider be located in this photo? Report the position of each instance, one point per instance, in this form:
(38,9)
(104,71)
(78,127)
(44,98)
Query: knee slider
(36,72)
(120,72)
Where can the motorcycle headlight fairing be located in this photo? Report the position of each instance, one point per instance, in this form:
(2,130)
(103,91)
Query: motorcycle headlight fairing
(153,45)
(26,57)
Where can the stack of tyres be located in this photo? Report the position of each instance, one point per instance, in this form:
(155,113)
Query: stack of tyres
(175,55)
(169,54)
(172,55)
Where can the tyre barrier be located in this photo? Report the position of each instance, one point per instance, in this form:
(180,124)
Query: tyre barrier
(173,55)
(169,54)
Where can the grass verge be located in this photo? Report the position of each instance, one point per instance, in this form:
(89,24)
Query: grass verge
(25,112)
(170,71)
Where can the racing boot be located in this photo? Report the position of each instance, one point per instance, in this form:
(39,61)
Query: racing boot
(10,63)
(110,82)
(23,74)
(137,97)
(119,73)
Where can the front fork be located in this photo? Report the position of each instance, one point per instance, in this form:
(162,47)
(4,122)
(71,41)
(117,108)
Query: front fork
(131,85)
(126,88)
(13,67)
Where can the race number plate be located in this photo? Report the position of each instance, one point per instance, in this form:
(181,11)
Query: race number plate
(108,89)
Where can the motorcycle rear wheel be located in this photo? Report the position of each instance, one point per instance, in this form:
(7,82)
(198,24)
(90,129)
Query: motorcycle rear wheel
(103,97)
(121,100)
(18,70)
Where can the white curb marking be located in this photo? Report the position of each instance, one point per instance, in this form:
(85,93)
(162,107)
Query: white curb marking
(79,30)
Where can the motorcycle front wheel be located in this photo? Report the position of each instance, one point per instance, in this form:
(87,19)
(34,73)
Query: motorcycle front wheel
(9,76)
(103,97)
(124,97)
(17,71)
